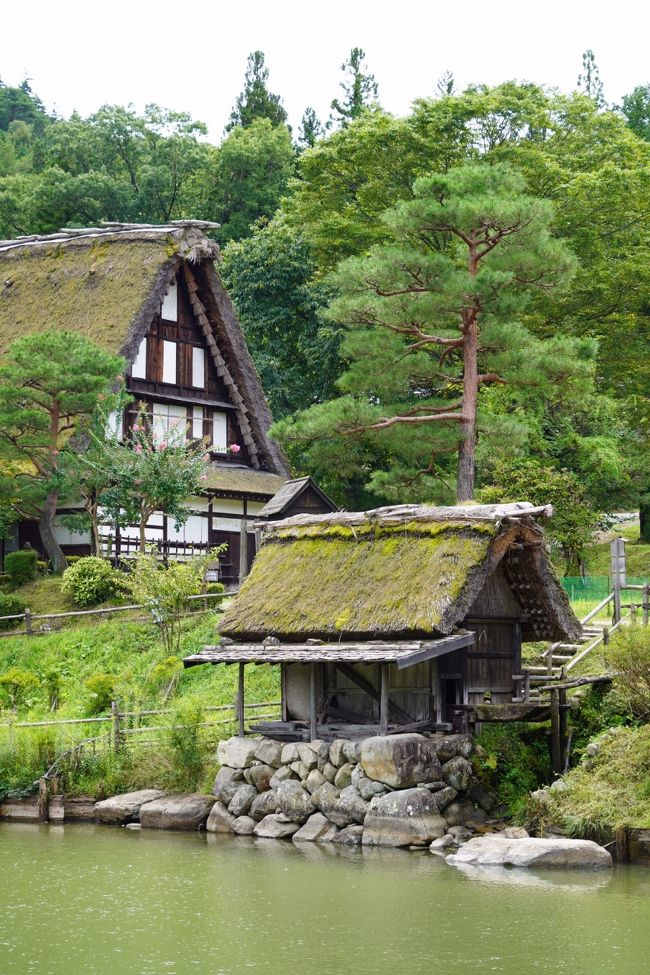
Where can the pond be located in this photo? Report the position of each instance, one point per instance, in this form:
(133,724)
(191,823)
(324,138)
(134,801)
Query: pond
(86,900)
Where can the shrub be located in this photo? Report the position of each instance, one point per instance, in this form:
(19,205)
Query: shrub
(16,683)
(628,656)
(9,606)
(101,688)
(41,567)
(90,581)
(21,567)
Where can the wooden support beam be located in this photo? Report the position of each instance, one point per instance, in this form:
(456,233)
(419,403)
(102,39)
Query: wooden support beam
(241,731)
(394,710)
(556,746)
(383,700)
(313,702)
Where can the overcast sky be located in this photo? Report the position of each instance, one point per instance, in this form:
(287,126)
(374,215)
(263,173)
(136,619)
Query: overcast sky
(191,55)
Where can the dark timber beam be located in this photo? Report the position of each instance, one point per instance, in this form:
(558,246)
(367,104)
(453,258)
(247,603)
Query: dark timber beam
(240,701)
(394,710)
(383,700)
(313,702)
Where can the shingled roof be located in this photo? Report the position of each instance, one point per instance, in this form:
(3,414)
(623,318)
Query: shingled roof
(401,572)
(108,282)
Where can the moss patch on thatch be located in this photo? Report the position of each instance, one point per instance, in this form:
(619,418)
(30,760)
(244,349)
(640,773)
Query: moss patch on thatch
(339,582)
(89,286)
(242,481)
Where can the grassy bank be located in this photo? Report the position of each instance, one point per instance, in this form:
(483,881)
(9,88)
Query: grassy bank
(77,671)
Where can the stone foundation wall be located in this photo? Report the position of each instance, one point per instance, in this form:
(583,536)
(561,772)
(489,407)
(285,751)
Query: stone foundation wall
(398,790)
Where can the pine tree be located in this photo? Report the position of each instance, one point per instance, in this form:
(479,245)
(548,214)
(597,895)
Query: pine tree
(433,320)
(311,129)
(589,79)
(256,101)
(359,89)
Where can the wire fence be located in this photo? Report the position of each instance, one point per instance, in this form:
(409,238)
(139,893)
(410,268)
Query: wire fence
(585,592)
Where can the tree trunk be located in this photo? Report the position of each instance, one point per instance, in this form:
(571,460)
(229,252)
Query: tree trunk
(467,448)
(46,528)
(94,529)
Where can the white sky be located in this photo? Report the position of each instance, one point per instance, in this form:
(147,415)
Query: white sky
(191,55)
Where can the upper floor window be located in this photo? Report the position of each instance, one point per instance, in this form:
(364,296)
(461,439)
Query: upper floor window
(139,367)
(169,309)
(219,432)
(168,418)
(198,367)
(169,362)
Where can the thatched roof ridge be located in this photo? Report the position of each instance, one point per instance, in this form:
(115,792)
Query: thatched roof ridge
(109,282)
(402,572)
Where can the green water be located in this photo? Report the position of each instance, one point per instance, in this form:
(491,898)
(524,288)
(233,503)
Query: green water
(90,900)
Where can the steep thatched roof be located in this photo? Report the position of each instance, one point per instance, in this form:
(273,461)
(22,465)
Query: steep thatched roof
(407,571)
(108,283)
(229,479)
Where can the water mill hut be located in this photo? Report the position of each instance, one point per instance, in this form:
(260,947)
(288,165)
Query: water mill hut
(398,619)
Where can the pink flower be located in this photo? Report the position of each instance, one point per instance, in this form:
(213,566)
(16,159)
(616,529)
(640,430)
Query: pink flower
(138,448)
(206,458)
(203,477)
(162,445)
(234,448)
(135,427)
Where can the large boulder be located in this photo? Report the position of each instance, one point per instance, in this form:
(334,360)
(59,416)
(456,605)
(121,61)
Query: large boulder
(276,827)
(295,802)
(237,752)
(243,826)
(558,853)
(220,820)
(266,804)
(351,803)
(290,753)
(242,800)
(314,780)
(284,772)
(337,753)
(179,811)
(457,773)
(226,783)
(452,745)
(260,776)
(316,829)
(350,836)
(327,798)
(269,752)
(460,812)
(125,808)
(343,777)
(406,818)
(400,761)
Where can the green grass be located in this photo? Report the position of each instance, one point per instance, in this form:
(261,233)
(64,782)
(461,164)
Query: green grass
(610,790)
(637,553)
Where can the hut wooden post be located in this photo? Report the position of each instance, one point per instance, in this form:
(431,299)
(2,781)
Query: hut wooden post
(383,700)
(43,799)
(241,731)
(556,749)
(562,704)
(646,604)
(313,702)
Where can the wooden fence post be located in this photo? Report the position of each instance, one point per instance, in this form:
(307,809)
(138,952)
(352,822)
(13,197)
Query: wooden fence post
(646,604)
(28,621)
(241,727)
(556,748)
(117,737)
(43,800)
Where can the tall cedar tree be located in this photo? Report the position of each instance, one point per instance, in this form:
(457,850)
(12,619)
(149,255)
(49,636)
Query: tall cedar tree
(49,383)
(256,101)
(359,89)
(310,130)
(432,315)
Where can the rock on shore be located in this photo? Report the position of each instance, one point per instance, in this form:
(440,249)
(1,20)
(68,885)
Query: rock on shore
(557,853)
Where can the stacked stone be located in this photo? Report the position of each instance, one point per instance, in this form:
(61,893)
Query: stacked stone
(397,790)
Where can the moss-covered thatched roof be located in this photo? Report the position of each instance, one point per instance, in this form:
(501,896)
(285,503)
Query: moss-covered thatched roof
(241,480)
(109,282)
(399,572)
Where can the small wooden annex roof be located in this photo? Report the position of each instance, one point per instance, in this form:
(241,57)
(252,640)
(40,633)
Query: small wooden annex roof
(289,492)
(371,651)
(397,573)
(109,282)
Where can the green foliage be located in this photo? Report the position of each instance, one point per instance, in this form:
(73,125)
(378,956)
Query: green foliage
(574,520)
(359,89)
(23,759)
(256,101)
(270,277)
(608,790)
(16,683)
(463,257)
(187,752)
(10,605)
(101,691)
(164,592)
(628,656)
(515,761)
(21,567)
(92,580)
(636,109)
(249,174)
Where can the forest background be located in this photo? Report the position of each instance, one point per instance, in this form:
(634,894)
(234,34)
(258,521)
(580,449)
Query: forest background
(305,216)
